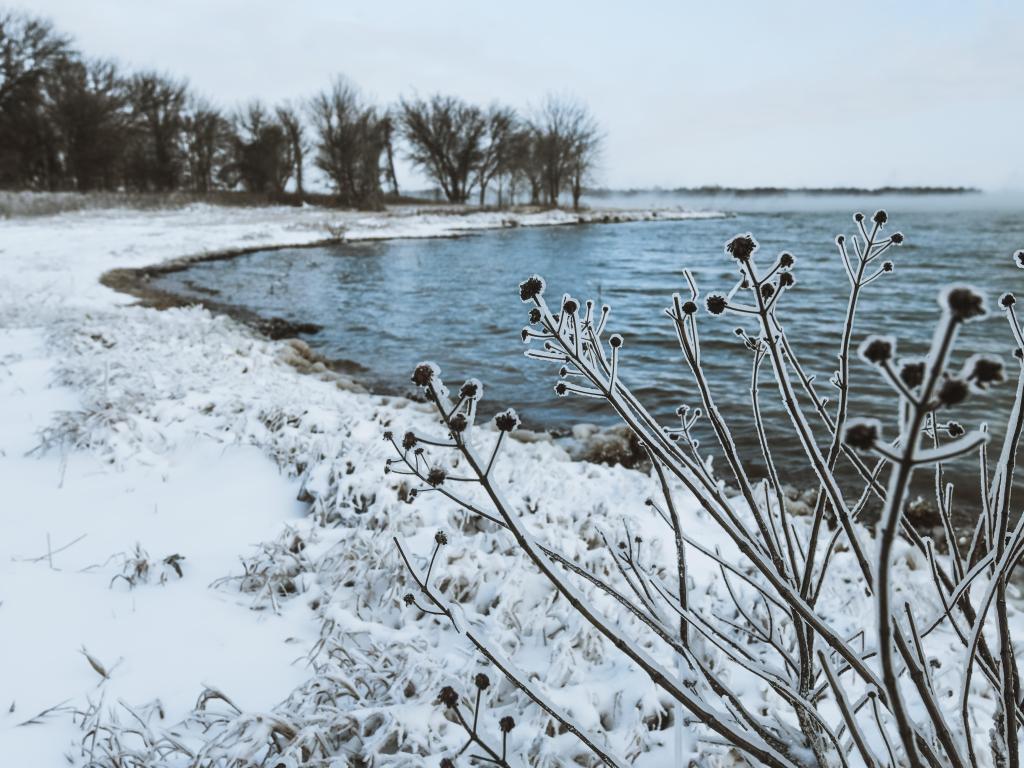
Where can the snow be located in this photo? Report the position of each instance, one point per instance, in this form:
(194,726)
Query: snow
(186,434)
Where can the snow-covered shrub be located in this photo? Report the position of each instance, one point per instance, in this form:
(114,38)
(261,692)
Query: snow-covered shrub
(772,639)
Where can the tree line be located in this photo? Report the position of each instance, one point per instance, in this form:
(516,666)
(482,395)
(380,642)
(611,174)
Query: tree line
(70,122)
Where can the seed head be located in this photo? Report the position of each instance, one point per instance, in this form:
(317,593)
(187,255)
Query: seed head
(786,260)
(896,238)
(531,288)
(561,389)
(983,371)
(742,247)
(448,696)
(535,316)
(569,306)
(767,290)
(964,303)
(912,373)
(840,239)
(388,435)
(409,441)
(953,392)
(1018,259)
(880,217)
(955,429)
(786,280)
(507,421)
(887,266)
(441,538)
(615,341)
(447,762)
(482,681)
(408,599)
(1007,300)
(689,307)
(877,349)
(858,217)
(862,434)
(424,374)
(507,723)
(436,476)
(716,304)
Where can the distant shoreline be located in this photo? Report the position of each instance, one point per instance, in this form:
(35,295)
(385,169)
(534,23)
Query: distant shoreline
(711,191)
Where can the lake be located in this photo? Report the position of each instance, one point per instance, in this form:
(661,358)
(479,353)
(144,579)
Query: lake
(385,306)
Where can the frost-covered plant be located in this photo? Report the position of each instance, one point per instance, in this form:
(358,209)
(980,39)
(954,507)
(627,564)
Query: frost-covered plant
(810,653)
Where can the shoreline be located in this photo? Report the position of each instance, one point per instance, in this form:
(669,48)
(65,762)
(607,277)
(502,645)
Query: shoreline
(136,281)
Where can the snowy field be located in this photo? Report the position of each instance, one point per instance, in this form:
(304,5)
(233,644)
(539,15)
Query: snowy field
(196,559)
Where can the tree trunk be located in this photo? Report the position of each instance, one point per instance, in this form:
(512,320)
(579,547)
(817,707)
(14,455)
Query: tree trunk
(391,166)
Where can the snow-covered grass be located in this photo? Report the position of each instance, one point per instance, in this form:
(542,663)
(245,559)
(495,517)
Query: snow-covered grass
(138,442)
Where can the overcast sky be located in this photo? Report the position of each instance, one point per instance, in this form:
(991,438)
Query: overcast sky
(733,93)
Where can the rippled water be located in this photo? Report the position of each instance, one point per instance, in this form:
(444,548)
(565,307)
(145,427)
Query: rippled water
(385,306)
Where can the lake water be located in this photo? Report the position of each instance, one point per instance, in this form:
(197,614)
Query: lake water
(385,306)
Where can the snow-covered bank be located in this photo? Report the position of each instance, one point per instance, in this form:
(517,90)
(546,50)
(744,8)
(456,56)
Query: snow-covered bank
(285,631)
(132,436)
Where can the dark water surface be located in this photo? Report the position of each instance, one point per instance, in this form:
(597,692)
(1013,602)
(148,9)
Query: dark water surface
(385,306)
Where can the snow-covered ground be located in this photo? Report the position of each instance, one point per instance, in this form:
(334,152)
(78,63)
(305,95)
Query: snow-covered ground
(131,436)
(196,556)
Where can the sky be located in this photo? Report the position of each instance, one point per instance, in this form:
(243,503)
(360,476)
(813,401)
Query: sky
(752,93)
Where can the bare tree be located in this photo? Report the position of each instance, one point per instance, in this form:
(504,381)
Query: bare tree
(445,137)
(86,109)
(290,120)
(388,125)
(207,142)
(583,146)
(350,139)
(29,48)
(501,124)
(156,155)
(931,681)
(566,145)
(261,150)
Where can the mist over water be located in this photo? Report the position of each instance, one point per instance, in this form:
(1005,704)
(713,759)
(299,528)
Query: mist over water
(385,306)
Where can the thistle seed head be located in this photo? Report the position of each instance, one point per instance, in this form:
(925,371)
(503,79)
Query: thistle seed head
(448,697)
(425,373)
(877,349)
(984,371)
(964,303)
(507,421)
(531,288)
(716,304)
(742,247)
(953,392)
(912,373)
(862,434)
